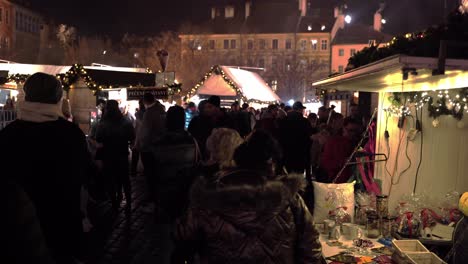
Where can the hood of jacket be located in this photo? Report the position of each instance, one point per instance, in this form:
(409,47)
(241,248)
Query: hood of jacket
(245,198)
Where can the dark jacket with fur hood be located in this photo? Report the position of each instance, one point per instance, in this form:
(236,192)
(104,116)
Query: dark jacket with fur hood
(243,217)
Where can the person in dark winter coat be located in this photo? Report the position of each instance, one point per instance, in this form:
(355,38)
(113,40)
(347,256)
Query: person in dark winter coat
(211,116)
(249,215)
(176,154)
(116,134)
(22,238)
(152,127)
(294,136)
(47,157)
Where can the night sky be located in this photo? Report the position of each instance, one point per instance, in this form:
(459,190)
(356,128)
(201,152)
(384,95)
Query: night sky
(116,17)
(149,17)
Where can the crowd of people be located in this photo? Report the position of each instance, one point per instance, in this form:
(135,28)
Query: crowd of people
(232,182)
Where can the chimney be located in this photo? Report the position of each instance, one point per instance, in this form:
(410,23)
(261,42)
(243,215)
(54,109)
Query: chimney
(377,21)
(339,21)
(248,4)
(378,18)
(213,12)
(303,7)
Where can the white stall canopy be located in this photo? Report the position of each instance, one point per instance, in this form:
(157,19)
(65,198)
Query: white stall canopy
(236,82)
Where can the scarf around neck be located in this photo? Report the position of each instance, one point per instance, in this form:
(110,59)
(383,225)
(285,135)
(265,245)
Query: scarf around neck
(39,112)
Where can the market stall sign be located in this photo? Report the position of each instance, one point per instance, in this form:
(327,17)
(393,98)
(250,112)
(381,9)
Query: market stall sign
(137,93)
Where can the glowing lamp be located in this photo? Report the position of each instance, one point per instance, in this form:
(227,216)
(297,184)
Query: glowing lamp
(291,102)
(348,19)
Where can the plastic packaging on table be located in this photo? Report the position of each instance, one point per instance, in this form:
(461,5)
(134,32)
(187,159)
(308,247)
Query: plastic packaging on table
(364,204)
(449,208)
(409,223)
(342,216)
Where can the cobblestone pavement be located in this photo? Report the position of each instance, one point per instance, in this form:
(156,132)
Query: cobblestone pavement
(121,238)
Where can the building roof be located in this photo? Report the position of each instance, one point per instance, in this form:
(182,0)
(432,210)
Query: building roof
(268,17)
(359,34)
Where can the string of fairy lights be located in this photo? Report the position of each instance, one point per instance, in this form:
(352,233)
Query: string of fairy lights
(452,102)
(77,71)
(219,71)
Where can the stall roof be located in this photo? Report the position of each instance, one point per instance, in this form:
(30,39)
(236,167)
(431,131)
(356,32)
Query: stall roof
(252,86)
(19,68)
(387,75)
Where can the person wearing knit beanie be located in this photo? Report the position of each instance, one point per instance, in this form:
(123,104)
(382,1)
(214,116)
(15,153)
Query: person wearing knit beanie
(43,99)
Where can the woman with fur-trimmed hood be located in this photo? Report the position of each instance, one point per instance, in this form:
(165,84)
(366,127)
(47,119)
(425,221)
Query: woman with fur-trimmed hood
(249,215)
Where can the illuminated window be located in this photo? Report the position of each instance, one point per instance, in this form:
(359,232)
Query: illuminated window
(226,44)
(352,52)
(212,44)
(288,44)
(229,11)
(313,44)
(341,52)
(250,44)
(274,85)
(233,43)
(324,44)
(287,65)
(340,68)
(274,44)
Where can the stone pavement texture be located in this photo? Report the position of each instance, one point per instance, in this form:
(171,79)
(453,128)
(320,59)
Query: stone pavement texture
(118,237)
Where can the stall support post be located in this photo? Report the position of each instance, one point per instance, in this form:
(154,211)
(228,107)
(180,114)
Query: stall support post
(82,102)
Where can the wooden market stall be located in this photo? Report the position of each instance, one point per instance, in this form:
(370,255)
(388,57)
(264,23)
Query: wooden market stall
(82,83)
(234,84)
(422,122)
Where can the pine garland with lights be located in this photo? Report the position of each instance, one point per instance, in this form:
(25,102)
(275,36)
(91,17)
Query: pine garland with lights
(441,104)
(424,44)
(74,73)
(174,88)
(219,71)
(18,78)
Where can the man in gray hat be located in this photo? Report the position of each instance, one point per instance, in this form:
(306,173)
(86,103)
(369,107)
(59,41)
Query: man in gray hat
(47,156)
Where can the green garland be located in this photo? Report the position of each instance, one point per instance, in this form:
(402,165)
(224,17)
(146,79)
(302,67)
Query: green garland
(219,71)
(77,71)
(174,88)
(74,73)
(424,44)
(438,105)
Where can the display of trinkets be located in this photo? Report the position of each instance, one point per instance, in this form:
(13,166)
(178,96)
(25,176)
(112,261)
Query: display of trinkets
(382,206)
(372,225)
(409,225)
(387,225)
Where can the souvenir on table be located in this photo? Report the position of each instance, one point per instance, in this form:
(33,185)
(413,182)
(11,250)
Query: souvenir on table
(382,205)
(363,243)
(343,258)
(409,225)
(328,197)
(342,216)
(383,259)
(372,225)
(449,208)
(382,251)
(408,221)
(364,202)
